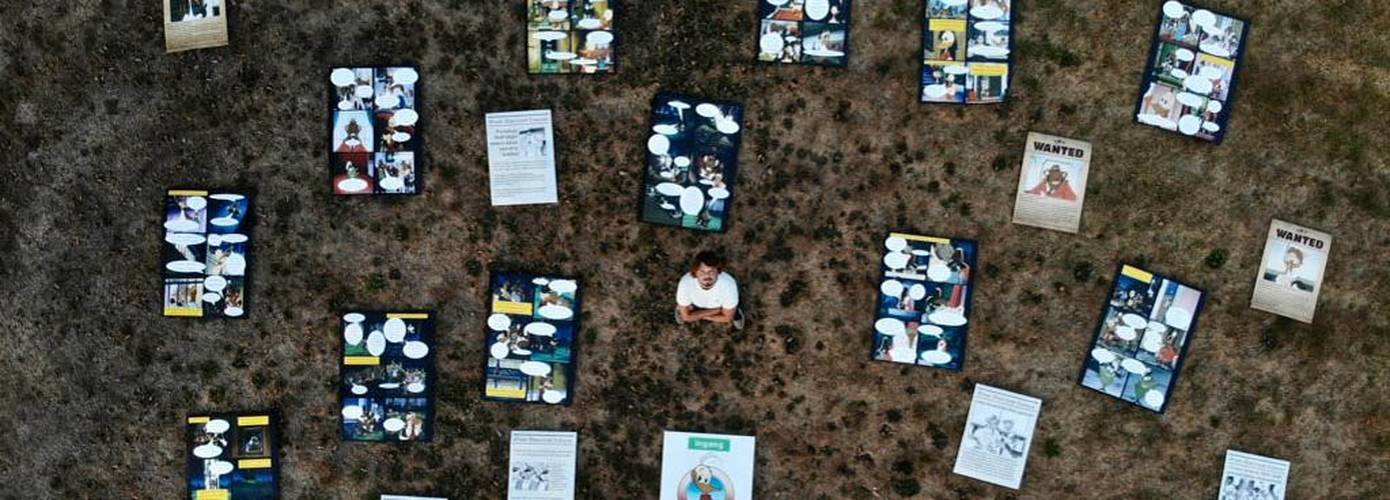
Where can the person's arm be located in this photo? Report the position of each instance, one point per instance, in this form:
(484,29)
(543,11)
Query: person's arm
(690,313)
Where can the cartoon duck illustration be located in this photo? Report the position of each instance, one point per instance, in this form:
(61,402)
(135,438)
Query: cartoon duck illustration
(703,478)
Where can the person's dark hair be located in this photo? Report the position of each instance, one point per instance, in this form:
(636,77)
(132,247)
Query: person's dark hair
(709,258)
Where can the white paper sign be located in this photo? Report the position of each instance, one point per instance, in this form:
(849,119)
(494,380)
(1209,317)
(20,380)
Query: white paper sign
(998,434)
(542,465)
(1253,476)
(716,466)
(1052,183)
(1291,271)
(521,158)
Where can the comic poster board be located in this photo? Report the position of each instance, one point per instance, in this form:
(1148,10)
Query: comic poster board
(1052,183)
(206,254)
(194,24)
(375,130)
(542,465)
(697,466)
(532,338)
(571,37)
(387,376)
(1291,271)
(1250,476)
(692,162)
(1141,340)
(967,48)
(808,32)
(232,456)
(921,315)
(998,434)
(1190,78)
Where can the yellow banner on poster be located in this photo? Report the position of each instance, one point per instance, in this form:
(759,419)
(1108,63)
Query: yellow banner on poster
(408,315)
(502,392)
(212,495)
(947,25)
(523,308)
(915,237)
(253,421)
(989,69)
(254,463)
(198,420)
(1211,59)
(186,192)
(361,360)
(1137,273)
(184,312)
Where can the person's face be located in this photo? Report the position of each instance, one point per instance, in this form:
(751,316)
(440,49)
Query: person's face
(706,275)
(1292,260)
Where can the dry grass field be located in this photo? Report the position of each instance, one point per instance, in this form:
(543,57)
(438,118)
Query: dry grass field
(99,121)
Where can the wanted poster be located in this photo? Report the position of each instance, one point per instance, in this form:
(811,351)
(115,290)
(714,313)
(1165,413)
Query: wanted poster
(1250,476)
(1052,183)
(542,465)
(1291,271)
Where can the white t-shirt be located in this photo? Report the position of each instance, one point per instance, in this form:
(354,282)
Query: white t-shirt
(723,295)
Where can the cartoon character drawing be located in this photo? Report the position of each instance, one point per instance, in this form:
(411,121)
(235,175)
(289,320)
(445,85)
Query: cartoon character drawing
(703,479)
(1054,184)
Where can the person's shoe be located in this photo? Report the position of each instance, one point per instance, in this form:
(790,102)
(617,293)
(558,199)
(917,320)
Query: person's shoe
(678,317)
(739,319)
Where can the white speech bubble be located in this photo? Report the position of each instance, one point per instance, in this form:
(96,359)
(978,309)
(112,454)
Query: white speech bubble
(1174,10)
(707,110)
(1153,341)
(376,343)
(771,43)
(665,129)
(354,317)
(211,298)
(987,12)
(936,357)
(352,185)
(817,9)
(658,144)
(1204,18)
(214,283)
(669,189)
(196,202)
(1125,333)
(387,101)
(359,389)
(954,69)
(1190,124)
(1211,127)
(184,239)
(550,36)
(540,329)
(183,225)
(552,397)
(221,467)
(930,330)
(1134,366)
(1190,99)
(1102,355)
(947,318)
(499,322)
(989,26)
(400,136)
(394,330)
(364,91)
(393,424)
(499,350)
(415,349)
(217,426)
(1134,320)
(415,387)
(599,38)
(352,412)
(392,183)
(405,76)
(1216,49)
(895,243)
(535,368)
(1154,399)
(343,77)
(890,326)
(1184,55)
(718,193)
(935,91)
(726,126)
(558,313)
(406,117)
(234,238)
(895,260)
(236,265)
(215,240)
(185,266)
(891,288)
(1211,72)
(563,286)
(207,451)
(1178,317)
(233,312)
(224,221)
(390,386)
(917,292)
(692,200)
(938,272)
